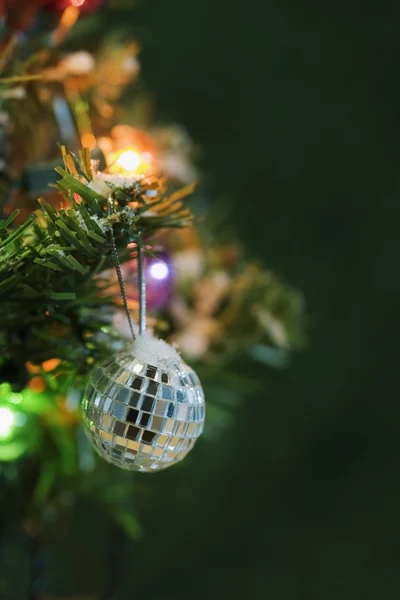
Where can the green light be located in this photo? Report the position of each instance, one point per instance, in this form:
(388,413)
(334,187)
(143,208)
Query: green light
(7,422)
(19,425)
(15,398)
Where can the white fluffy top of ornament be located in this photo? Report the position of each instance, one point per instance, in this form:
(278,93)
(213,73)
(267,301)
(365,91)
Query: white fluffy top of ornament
(151,350)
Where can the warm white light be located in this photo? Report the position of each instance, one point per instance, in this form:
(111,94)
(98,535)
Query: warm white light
(159,270)
(128,160)
(7,420)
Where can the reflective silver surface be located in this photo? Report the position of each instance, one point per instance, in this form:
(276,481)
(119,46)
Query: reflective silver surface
(140,417)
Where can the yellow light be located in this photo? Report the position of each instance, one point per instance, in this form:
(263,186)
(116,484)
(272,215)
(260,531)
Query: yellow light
(7,421)
(129,160)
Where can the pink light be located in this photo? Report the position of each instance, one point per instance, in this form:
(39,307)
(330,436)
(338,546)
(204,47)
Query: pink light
(77,3)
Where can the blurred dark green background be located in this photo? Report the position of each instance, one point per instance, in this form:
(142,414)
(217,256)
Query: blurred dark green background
(297,109)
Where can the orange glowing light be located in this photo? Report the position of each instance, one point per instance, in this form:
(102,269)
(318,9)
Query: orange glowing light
(51,364)
(37,384)
(69,17)
(131,162)
(32,368)
(88,140)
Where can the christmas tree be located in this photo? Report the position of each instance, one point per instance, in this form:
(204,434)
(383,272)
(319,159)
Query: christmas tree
(101,219)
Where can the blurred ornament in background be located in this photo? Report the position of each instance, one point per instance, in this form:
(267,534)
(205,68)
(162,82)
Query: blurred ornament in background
(159,277)
(116,67)
(197,326)
(176,151)
(74,70)
(196,338)
(189,264)
(78,63)
(210,292)
(143,410)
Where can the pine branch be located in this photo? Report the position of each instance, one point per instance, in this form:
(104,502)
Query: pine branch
(53,260)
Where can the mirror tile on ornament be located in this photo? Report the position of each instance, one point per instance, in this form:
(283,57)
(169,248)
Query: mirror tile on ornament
(122,395)
(161,408)
(148,436)
(132,416)
(158,452)
(120,428)
(132,445)
(168,425)
(148,403)
(166,392)
(123,377)
(191,430)
(121,441)
(180,395)
(171,455)
(146,449)
(106,421)
(193,379)
(119,411)
(162,440)
(133,433)
(181,412)
(181,429)
(137,367)
(135,399)
(152,388)
(151,371)
(130,456)
(164,377)
(173,443)
(171,410)
(157,423)
(137,384)
(106,435)
(145,420)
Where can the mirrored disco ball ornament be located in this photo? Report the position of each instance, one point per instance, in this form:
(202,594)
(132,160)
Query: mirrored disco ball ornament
(143,410)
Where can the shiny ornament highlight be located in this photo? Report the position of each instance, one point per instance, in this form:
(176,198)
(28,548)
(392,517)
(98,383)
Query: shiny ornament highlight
(143,410)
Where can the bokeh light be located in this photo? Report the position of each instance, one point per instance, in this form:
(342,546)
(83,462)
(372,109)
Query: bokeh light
(159,270)
(129,160)
(7,422)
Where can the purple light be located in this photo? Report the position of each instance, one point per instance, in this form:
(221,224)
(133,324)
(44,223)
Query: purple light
(159,275)
(159,270)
